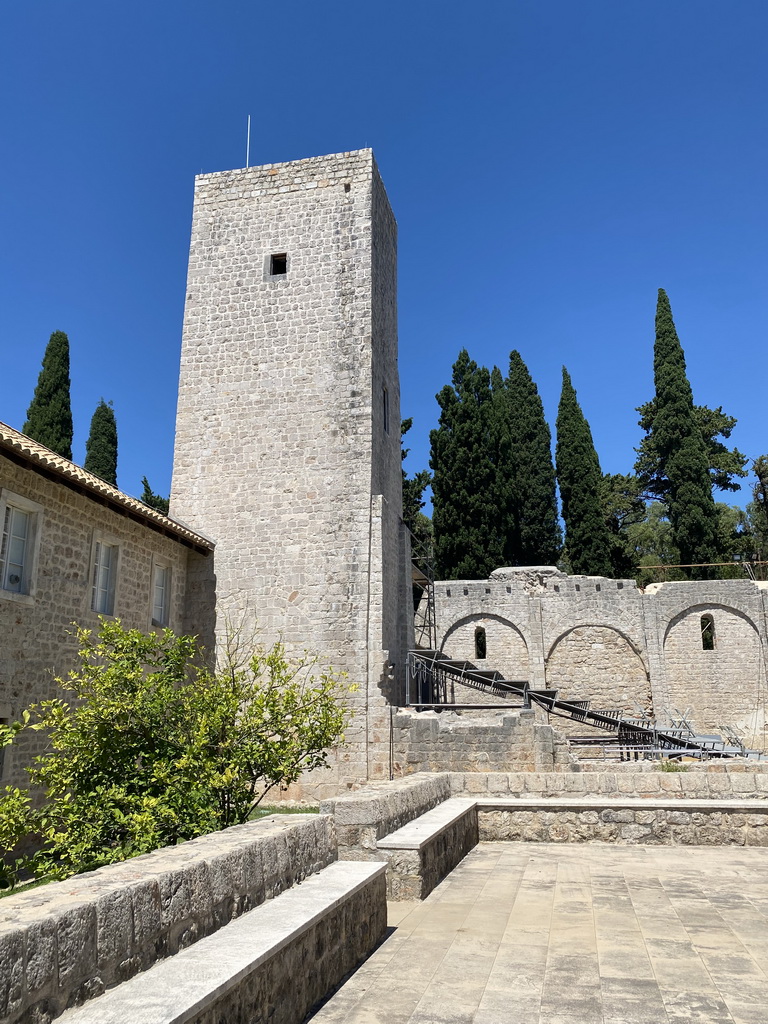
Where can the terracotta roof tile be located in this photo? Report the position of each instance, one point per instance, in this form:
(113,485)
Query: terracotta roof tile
(43,458)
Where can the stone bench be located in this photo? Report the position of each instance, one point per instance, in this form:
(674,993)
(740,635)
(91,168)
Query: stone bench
(275,962)
(624,820)
(420,854)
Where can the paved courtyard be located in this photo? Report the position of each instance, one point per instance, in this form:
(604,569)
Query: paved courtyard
(553,934)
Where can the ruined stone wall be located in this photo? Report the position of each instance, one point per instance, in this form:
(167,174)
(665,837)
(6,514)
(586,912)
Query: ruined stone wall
(475,741)
(36,628)
(723,686)
(288,426)
(622,648)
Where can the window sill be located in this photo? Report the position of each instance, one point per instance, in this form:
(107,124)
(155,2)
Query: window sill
(11,595)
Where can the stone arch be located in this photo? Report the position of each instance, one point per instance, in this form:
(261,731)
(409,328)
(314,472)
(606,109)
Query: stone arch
(506,648)
(601,664)
(725,685)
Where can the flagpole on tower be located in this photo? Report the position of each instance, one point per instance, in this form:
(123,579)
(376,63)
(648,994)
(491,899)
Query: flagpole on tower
(248,144)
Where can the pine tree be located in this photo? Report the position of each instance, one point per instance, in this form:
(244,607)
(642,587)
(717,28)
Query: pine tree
(49,417)
(466,545)
(155,501)
(587,540)
(101,446)
(676,438)
(533,532)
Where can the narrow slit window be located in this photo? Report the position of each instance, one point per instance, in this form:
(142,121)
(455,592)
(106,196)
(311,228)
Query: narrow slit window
(385,409)
(707,633)
(278,264)
(480,644)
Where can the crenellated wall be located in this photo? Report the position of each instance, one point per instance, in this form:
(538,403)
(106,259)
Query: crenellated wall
(624,648)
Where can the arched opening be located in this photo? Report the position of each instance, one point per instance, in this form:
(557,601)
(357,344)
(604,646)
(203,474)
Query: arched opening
(481,648)
(707,632)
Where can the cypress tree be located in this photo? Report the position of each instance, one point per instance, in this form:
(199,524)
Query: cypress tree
(101,446)
(680,448)
(533,534)
(49,417)
(463,476)
(155,501)
(587,540)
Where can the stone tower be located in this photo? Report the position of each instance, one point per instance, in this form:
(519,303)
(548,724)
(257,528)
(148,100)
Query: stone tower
(288,425)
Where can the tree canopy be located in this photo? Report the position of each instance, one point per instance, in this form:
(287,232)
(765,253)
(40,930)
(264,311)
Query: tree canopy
(680,451)
(155,501)
(587,541)
(533,534)
(49,416)
(467,543)
(101,446)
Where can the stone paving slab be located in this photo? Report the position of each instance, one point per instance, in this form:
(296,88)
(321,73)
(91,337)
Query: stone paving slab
(556,934)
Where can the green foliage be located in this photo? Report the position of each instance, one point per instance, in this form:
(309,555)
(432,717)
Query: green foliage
(154,501)
(413,501)
(757,512)
(154,749)
(15,809)
(587,540)
(680,450)
(652,543)
(725,464)
(623,507)
(526,474)
(49,417)
(671,766)
(101,446)
(467,542)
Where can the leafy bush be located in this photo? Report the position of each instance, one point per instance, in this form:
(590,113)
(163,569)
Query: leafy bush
(671,766)
(152,749)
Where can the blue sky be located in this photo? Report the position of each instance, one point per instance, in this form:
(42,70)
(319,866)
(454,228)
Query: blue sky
(551,164)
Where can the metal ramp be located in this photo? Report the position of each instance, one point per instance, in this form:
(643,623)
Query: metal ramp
(431,673)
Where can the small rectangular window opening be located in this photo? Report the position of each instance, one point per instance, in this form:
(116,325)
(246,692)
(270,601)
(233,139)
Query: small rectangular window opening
(385,409)
(278,264)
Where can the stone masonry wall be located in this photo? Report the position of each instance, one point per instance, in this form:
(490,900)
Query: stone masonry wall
(370,813)
(717,781)
(36,628)
(287,436)
(707,825)
(66,942)
(429,741)
(622,648)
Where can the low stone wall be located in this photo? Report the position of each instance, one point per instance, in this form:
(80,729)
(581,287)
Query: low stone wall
(66,942)
(273,964)
(706,823)
(369,814)
(476,741)
(719,782)
(420,855)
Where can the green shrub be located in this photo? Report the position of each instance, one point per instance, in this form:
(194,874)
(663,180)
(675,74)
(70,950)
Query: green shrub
(152,749)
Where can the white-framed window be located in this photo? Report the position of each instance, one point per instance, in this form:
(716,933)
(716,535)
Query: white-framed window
(161,594)
(104,576)
(19,536)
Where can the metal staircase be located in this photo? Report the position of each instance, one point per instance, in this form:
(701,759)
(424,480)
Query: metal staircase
(432,674)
